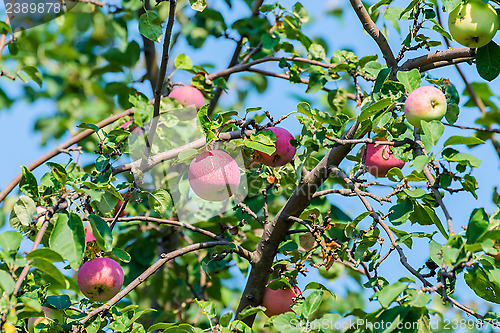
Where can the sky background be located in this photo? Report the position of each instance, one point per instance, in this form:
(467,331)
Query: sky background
(20,145)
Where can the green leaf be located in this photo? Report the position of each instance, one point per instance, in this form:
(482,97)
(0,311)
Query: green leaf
(121,254)
(374,107)
(478,225)
(432,132)
(481,283)
(61,302)
(318,286)
(49,269)
(161,202)
(89,126)
(401,213)
(450,154)
(68,238)
(450,5)
(312,303)
(425,215)
(31,73)
(183,62)
(10,241)
(469,184)
(198,5)
(390,292)
(249,311)
(225,319)
(45,253)
(28,183)
(101,232)
(463,140)
(488,61)
(452,112)
(25,209)
(6,282)
(150,26)
(410,79)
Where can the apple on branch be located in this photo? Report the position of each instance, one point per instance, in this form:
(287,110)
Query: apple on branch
(214,175)
(100,279)
(425,104)
(188,95)
(284,153)
(473,23)
(280,300)
(379,159)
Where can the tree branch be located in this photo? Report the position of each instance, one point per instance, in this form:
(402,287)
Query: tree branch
(371,28)
(441,58)
(276,231)
(164,258)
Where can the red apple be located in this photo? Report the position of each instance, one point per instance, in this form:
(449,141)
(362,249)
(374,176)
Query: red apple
(100,279)
(188,95)
(284,153)
(425,103)
(53,314)
(379,160)
(279,301)
(214,175)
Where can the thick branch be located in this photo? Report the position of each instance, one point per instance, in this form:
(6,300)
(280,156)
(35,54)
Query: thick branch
(276,231)
(161,77)
(374,32)
(438,57)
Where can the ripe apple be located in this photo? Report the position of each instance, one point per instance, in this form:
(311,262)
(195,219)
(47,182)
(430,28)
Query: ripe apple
(278,301)
(284,153)
(473,23)
(53,314)
(100,279)
(188,95)
(380,159)
(214,175)
(425,103)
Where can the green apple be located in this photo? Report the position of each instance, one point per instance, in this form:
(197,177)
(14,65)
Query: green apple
(473,23)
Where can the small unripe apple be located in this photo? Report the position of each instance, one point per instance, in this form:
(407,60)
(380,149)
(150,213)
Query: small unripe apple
(278,301)
(188,95)
(118,206)
(100,279)
(284,153)
(379,160)
(53,314)
(473,23)
(425,103)
(214,175)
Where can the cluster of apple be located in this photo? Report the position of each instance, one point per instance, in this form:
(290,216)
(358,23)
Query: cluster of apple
(215,176)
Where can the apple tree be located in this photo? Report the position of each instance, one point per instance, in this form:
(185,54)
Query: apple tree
(165,208)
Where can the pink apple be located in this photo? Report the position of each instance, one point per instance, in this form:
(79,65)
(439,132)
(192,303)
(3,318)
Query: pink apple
(278,301)
(53,314)
(188,95)
(425,103)
(89,236)
(214,175)
(379,160)
(100,279)
(284,153)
